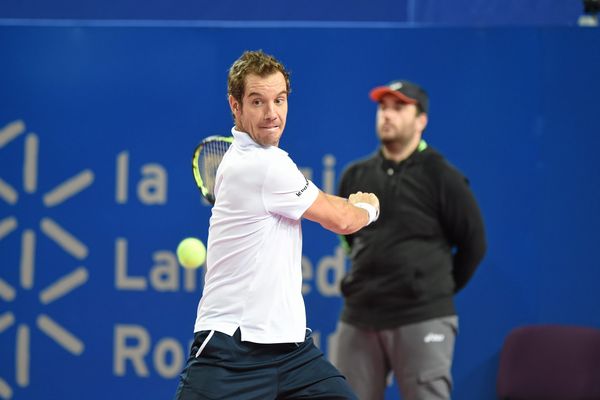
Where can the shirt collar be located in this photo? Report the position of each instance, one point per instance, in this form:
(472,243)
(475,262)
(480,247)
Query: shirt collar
(422,146)
(242,138)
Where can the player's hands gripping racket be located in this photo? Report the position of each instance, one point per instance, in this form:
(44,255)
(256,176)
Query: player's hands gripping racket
(205,161)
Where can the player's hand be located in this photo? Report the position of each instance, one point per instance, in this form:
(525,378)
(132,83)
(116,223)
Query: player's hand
(360,197)
(366,198)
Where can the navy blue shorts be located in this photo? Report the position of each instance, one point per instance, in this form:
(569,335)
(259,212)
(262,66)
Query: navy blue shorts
(223,367)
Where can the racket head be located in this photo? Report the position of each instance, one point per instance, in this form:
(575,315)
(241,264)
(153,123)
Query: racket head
(205,160)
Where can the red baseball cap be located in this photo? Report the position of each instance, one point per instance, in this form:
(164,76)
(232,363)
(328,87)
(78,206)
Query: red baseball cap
(406,91)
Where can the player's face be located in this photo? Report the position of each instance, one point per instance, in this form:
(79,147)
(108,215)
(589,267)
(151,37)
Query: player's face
(397,121)
(263,110)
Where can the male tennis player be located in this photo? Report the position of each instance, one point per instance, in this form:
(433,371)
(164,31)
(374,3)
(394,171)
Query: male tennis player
(251,339)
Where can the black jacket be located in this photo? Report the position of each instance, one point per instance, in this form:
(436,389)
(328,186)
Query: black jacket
(424,247)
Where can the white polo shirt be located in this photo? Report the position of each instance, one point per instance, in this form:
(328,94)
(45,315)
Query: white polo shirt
(253,269)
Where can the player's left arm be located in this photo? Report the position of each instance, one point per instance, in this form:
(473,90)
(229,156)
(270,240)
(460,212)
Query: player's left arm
(463,224)
(286,191)
(343,216)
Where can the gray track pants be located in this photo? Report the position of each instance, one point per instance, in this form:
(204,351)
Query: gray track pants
(420,356)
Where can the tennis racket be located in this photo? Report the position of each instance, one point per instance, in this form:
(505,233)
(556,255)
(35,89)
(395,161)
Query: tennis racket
(205,161)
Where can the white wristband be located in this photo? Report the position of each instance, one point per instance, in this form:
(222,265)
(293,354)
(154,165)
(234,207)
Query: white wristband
(373,212)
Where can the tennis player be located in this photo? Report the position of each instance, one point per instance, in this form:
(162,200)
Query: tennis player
(251,339)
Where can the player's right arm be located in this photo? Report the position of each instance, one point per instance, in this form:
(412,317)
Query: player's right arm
(341,215)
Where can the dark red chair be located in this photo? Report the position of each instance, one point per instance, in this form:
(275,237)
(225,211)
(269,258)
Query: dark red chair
(550,362)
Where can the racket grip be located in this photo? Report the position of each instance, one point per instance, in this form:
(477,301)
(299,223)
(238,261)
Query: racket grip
(373,212)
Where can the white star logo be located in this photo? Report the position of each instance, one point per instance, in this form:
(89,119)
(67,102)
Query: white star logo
(54,232)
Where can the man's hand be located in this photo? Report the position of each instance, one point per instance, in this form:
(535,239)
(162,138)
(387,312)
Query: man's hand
(368,202)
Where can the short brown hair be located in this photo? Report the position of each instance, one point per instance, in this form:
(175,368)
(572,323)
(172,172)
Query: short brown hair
(253,62)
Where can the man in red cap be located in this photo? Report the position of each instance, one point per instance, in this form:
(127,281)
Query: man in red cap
(398,314)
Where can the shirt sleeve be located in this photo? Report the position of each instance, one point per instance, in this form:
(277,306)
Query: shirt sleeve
(463,223)
(286,191)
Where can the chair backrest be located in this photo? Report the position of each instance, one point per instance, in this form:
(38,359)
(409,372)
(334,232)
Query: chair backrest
(550,362)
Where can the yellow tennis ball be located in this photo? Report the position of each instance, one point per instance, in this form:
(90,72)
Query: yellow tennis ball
(191,253)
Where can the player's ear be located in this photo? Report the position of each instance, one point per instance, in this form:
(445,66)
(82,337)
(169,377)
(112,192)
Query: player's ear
(233,104)
(422,121)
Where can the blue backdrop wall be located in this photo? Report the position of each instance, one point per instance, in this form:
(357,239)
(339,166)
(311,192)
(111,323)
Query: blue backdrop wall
(97,125)
(408,12)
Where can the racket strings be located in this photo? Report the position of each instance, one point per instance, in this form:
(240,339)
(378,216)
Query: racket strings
(210,157)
